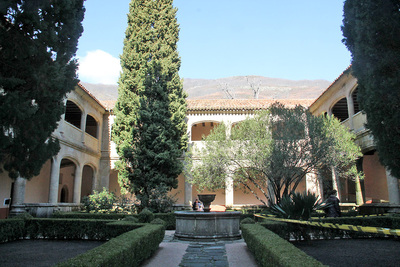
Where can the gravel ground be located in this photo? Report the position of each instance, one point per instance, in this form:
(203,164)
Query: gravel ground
(354,252)
(42,252)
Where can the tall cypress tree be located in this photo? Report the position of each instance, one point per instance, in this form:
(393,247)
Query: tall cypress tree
(372,34)
(38,40)
(150,127)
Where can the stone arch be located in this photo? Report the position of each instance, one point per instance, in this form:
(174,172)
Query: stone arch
(202,129)
(340,109)
(88,177)
(68,167)
(73,113)
(91,126)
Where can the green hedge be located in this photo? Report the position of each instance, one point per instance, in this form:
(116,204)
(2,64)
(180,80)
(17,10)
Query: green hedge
(129,249)
(169,218)
(392,222)
(271,250)
(75,228)
(11,229)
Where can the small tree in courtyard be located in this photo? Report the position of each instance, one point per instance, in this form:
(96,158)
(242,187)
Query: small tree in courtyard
(269,155)
(150,128)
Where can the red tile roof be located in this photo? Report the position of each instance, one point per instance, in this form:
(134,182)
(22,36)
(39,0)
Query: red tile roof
(241,104)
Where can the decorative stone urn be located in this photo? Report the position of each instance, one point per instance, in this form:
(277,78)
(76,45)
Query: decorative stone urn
(206,199)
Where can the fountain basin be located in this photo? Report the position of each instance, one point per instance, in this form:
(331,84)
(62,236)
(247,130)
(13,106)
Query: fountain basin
(207,226)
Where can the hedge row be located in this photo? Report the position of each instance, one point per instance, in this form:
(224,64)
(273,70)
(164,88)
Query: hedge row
(271,250)
(11,229)
(128,249)
(392,222)
(169,218)
(75,228)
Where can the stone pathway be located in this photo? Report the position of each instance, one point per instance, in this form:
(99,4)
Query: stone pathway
(173,252)
(205,254)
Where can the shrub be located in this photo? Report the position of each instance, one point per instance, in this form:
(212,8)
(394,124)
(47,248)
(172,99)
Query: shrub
(159,221)
(11,229)
(271,250)
(99,201)
(247,220)
(75,229)
(131,219)
(128,249)
(298,206)
(146,216)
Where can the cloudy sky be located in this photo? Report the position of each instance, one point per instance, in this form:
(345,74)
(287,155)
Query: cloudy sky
(288,39)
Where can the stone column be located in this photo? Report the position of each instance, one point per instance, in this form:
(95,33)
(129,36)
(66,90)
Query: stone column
(77,184)
(350,110)
(54,180)
(83,125)
(17,206)
(188,195)
(393,188)
(229,192)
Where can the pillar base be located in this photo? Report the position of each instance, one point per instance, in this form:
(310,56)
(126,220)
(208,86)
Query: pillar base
(17,210)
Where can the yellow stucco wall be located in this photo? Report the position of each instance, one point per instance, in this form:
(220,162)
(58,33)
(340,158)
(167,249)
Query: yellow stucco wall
(375,179)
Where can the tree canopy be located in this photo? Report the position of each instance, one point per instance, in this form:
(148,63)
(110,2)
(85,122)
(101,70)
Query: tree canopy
(38,42)
(150,127)
(371,31)
(269,154)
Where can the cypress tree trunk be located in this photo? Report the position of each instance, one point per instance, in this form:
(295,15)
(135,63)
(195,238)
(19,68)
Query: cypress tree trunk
(150,128)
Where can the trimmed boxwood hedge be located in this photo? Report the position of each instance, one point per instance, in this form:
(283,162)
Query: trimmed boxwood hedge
(271,250)
(75,228)
(169,218)
(11,229)
(128,249)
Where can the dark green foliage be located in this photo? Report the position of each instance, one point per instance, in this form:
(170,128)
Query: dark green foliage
(169,218)
(371,31)
(131,219)
(85,215)
(271,250)
(99,201)
(11,229)
(128,249)
(298,206)
(76,229)
(150,128)
(159,221)
(146,216)
(247,221)
(38,42)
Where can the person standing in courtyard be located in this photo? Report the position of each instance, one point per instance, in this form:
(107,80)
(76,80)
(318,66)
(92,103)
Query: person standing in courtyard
(333,209)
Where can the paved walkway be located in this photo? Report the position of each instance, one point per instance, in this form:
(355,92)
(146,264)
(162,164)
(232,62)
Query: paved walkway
(174,253)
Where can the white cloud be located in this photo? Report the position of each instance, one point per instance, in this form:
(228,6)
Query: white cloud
(99,67)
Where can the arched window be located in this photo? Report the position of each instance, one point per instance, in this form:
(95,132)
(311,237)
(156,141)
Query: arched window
(202,129)
(73,114)
(91,126)
(340,110)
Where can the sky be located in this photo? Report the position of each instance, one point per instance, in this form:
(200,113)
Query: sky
(289,39)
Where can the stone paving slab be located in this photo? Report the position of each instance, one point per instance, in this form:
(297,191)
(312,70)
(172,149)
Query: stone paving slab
(175,252)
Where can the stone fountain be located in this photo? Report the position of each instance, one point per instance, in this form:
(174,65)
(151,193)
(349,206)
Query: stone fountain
(207,225)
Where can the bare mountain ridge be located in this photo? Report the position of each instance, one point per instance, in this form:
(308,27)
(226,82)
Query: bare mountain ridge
(238,86)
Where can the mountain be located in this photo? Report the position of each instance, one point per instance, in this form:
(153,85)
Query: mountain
(239,87)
